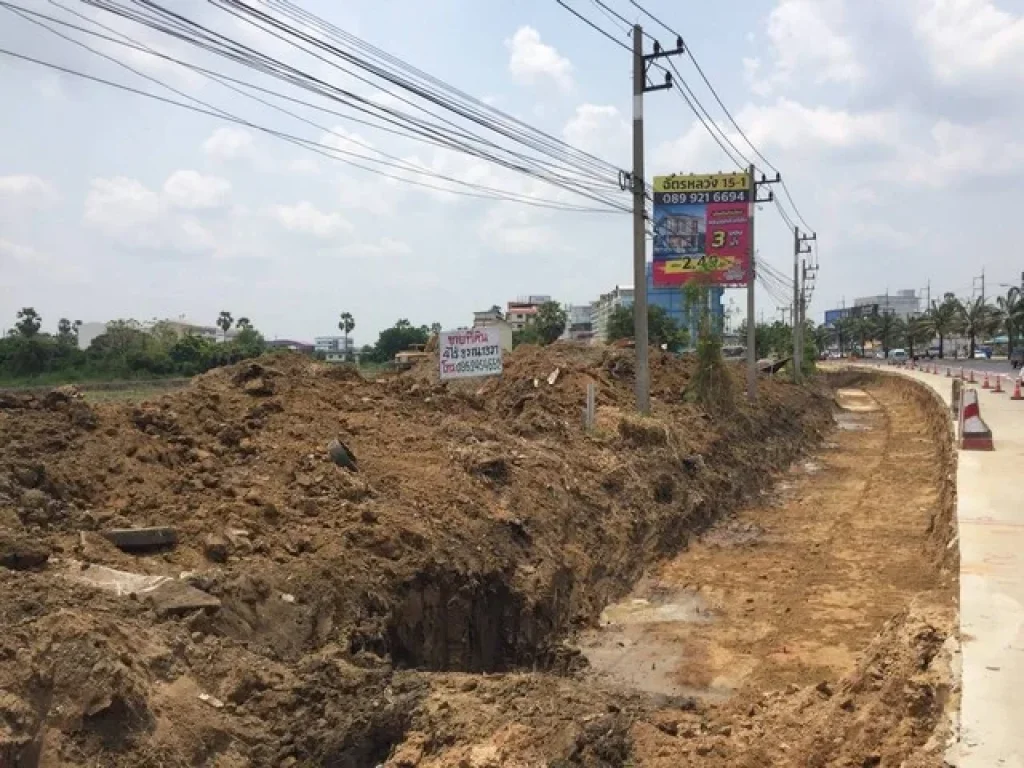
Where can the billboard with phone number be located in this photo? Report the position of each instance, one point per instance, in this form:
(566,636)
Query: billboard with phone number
(702,229)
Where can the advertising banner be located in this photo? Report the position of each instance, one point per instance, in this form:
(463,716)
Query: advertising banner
(702,229)
(469,353)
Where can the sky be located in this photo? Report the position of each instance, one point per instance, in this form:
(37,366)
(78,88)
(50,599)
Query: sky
(895,125)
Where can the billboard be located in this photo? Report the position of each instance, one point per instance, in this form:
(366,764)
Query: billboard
(469,353)
(702,228)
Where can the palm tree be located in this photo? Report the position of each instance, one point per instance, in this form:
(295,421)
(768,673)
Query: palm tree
(976,318)
(822,336)
(224,322)
(863,329)
(942,319)
(919,332)
(1012,308)
(243,324)
(346,326)
(888,330)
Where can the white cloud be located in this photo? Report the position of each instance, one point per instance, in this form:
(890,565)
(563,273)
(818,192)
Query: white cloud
(386,246)
(806,44)
(531,60)
(229,143)
(599,130)
(957,152)
(508,228)
(791,125)
(968,38)
(16,252)
(27,190)
(190,190)
(305,218)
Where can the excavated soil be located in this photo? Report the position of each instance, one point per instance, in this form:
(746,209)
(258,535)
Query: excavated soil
(418,600)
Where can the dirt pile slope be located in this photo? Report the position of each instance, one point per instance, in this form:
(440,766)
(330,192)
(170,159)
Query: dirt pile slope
(474,527)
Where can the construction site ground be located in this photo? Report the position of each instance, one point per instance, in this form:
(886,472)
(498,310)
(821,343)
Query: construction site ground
(477,581)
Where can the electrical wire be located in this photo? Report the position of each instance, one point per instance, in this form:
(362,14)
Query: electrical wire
(705,123)
(593,26)
(312,146)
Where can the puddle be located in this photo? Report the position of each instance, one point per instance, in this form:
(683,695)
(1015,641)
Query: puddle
(643,644)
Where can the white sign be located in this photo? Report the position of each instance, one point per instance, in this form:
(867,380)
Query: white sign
(469,353)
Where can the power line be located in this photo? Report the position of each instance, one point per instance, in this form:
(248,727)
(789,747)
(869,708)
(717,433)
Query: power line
(594,26)
(691,104)
(311,145)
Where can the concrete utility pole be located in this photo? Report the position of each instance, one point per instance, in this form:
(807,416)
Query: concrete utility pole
(799,248)
(640,87)
(752,278)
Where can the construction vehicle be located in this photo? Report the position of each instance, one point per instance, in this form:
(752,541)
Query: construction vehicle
(407,358)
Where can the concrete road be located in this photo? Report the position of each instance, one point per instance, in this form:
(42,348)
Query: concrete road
(990,520)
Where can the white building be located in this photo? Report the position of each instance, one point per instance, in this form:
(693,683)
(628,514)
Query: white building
(492,318)
(519,312)
(88,332)
(601,310)
(335,349)
(579,324)
(904,304)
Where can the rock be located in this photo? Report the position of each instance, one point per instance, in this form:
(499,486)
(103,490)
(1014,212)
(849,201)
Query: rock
(29,477)
(216,547)
(140,539)
(824,689)
(213,701)
(792,688)
(341,455)
(33,498)
(288,598)
(20,552)
(259,387)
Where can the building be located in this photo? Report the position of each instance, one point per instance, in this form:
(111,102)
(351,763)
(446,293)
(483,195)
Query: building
(904,304)
(291,345)
(519,312)
(579,324)
(335,349)
(492,318)
(601,310)
(88,332)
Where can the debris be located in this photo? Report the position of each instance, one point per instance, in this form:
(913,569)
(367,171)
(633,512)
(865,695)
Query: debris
(553,377)
(216,547)
(213,701)
(20,552)
(341,455)
(141,539)
(168,595)
(288,598)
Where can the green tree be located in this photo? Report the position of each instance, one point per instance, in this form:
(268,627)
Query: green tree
(549,322)
(888,329)
(346,325)
(29,322)
(399,337)
(942,317)
(976,318)
(661,328)
(1011,306)
(243,323)
(822,336)
(918,333)
(224,322)
(863,330)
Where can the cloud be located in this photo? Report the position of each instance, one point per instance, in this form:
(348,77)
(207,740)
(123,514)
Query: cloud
(305,218)
(599,130)
(386,246)
(27,190)
(190,190)
(511,229)
(229,143)
(959,152)
(965,39)
(790,125)
(806,45)
(530,60)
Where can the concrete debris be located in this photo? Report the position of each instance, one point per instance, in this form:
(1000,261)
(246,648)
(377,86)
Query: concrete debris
(141,539)
(168,595)
(554,376)
(213,701)
(341,455)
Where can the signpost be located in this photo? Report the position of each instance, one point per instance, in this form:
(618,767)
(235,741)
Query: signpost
(469,353)
(702,226)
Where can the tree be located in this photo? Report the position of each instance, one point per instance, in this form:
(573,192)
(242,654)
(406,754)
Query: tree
(29,322)
(1012,308)
(888,330)
(346,325)
(822,336)
(863,329)
(919,333)
(942,318)
(224,322)
(243,323)
(549,322)
(661,328)
(435,329)
(399,337)
(976,318)
(66,332)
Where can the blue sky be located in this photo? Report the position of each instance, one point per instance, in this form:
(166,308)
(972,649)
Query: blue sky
(895,124)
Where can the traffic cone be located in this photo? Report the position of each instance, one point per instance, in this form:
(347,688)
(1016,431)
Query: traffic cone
(971,380)
(1016,390)
(985,384)
(999,384)
(949,373)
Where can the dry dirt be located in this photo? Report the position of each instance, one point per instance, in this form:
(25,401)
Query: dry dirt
(422,608)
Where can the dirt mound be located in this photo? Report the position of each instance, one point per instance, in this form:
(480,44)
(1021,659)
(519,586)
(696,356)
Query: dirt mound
(479,526)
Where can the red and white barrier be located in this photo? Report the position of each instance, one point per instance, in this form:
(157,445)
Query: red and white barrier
(975,434)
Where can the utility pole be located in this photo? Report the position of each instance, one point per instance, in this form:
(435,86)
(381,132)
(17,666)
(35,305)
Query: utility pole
(640,87)
(799,247)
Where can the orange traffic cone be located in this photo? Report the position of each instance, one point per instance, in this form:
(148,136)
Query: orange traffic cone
(999,384)
(985,384)
(1016,390)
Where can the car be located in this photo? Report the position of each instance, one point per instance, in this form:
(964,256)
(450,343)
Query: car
(897,356)
(979,354)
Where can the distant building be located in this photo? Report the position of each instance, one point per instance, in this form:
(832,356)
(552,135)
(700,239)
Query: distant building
(904,304)
(88,332)
(601,310)
(492,318)
(520,311)
(579,324)
(290,344)
(335,349)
